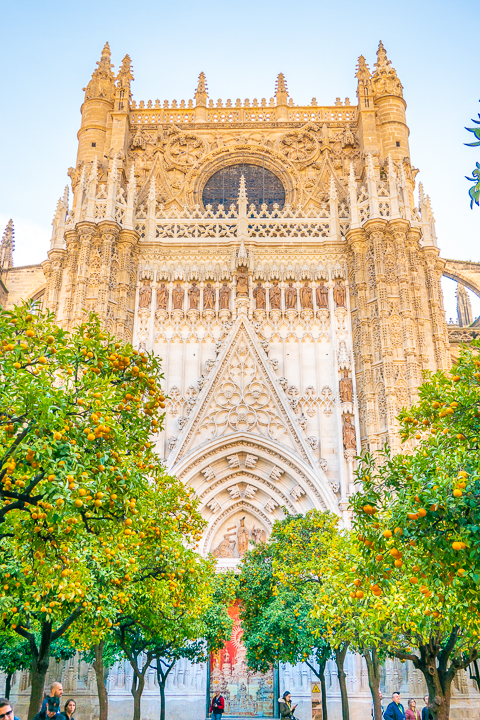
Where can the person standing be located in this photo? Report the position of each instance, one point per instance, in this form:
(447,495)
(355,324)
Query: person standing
(395,710)
(285,706)
(425,711)
(411,712)
(68,710)
(217,706)
(6,710)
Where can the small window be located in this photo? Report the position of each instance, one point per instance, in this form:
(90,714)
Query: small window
(398,143)
(94,144)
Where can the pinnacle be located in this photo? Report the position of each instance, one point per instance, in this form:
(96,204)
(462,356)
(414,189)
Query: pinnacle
(202,84)
(242,189)
(281,84)
(106,50)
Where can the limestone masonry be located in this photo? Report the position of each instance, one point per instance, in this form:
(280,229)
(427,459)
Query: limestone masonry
(283,264)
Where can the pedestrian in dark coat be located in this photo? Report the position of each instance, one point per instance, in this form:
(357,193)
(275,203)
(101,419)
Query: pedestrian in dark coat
(395,710)
(285,706)
(217,706)
(425,711)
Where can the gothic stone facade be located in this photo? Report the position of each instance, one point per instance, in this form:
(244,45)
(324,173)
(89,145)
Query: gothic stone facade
(279,261)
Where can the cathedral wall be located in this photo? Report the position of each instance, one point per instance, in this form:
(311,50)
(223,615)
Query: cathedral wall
(24,283)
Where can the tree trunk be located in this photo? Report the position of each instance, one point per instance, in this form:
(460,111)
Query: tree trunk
(474,672)
(340,654)
(138,685)
(8,685)
(39,670)
(320,673)
(99,668)
(439,691)
(373,670)
(162,700)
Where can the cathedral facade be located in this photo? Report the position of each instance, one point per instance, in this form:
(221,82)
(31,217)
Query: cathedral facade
(283,264)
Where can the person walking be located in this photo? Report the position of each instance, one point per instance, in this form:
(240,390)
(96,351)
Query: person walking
(395,710)
(217,706)
(68,710)
(6,710)
(425,710)
(411,713)
(285,706)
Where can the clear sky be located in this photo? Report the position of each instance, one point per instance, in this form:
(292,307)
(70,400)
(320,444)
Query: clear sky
(50,48)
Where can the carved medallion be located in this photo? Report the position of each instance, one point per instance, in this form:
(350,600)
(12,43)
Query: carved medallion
(184,150)
(299,147)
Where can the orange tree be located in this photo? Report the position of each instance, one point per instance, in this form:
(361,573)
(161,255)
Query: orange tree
(276,621)
(196,624)
(417,516)
(88,510)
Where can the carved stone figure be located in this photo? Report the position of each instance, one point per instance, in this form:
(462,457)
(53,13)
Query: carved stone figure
(242,284)
(306,297)
(349,441)
(322,296)
(243,536)
(225,548)
(346,388)
(162,297)
(274,295)
(260,297)
(177,296)
(224,297)
(145,295)
(194,296)
(208,297)
(291,297)
(259,535)
(339,294)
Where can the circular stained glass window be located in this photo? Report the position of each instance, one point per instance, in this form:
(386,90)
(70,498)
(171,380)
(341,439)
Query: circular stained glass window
(263,187)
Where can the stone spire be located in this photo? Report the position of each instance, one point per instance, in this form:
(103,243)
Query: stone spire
(124,78)
(7,246)
(242,230)
(384,79)
(364,84)
(201,93)
(58,224)
(281,90)
(102,83)
(464,307)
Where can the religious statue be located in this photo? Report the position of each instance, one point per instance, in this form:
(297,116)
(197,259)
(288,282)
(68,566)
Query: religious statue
(162,297)
(225,548)
(224,297)
(177,296)
(274,295)
(306,298)
(194,296)
(346,388)
(339,294)
(259,535)
(291,297)
(322,296)
(243,536)
(349,442)
(242,284)
(260,297)
(208,297)
(145,295)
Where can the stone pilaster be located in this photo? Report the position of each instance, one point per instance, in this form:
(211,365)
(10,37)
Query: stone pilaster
(86,231)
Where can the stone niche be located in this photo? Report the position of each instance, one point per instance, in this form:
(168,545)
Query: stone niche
(238,533)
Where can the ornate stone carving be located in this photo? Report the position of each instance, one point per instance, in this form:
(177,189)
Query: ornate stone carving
(290,297)
(346,388)
(162,297)
(208,297)
(306,298)
(260,297)
(145,295)
(194,296)
(322,295)
(177,297)
(274,295)
(276,473)
(224,297)
(349,439)
(339,294)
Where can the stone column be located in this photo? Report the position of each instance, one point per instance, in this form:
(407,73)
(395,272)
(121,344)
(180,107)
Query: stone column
(86,232)
(127,242)
(109,233)
(72,244)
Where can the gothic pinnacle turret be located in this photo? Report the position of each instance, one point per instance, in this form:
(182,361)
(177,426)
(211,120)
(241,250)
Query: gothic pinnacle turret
(384,79)
(99,97)
(364,84)
(201,93)
(7,246)
(281,90)
(124,78)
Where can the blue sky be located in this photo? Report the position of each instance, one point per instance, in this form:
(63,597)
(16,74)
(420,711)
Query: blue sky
(49,51)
